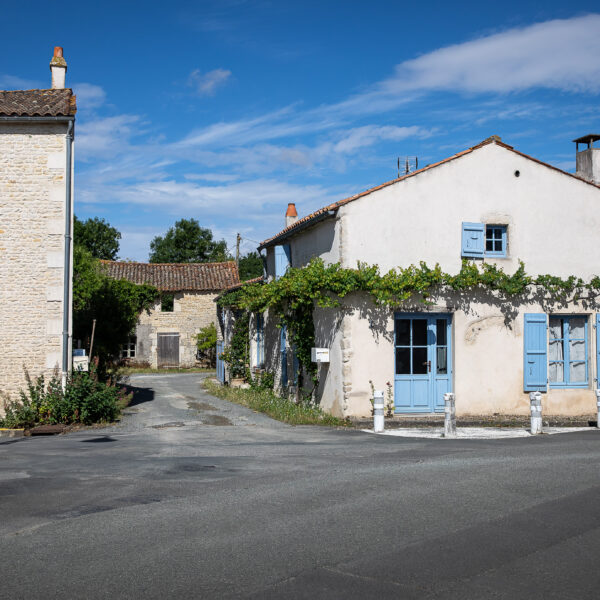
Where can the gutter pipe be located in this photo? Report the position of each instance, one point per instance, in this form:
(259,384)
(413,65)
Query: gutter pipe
(67,263)
(47,119)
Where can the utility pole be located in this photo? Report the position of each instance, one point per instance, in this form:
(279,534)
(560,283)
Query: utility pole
(237,249)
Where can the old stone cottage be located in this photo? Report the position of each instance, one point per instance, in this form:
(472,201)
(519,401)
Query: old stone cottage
(36,208)
(165,335)
(490,204)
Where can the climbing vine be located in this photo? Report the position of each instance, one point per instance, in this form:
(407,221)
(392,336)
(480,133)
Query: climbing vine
(236,354)
(293,296)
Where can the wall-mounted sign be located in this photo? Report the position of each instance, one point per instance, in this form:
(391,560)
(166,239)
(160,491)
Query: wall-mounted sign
(319,355)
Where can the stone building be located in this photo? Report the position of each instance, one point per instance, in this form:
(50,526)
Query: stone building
(165,335)
(36,208)
(490,204)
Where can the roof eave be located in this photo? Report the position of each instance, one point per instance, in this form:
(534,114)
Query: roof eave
(284,235)
(36,118)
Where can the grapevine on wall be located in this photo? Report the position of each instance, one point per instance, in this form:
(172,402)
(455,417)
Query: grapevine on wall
(292,298)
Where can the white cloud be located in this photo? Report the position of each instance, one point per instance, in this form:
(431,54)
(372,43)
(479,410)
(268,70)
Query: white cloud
(105,137)
(207,84)
(359,137)
(560,54)
(216,177)
(89,95)
(241,199)
(12,82)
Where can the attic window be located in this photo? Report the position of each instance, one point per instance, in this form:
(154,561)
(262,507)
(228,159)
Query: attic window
(167,302)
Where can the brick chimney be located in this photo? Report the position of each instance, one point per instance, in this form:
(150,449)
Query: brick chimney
(291,216)
(58,67)
(588,160)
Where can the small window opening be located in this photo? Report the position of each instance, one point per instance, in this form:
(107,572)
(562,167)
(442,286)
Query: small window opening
(495,240)
(167,302)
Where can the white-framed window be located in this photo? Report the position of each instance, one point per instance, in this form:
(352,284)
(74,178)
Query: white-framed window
(128,350)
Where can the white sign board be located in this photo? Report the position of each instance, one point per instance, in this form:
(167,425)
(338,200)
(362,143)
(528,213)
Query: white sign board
(81,363)
(319,355)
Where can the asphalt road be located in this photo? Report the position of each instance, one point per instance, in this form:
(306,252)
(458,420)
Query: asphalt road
(192,497)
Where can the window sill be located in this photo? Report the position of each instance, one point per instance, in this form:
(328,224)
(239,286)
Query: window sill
(569,386)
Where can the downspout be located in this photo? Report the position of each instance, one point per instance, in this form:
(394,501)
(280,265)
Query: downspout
(67,262)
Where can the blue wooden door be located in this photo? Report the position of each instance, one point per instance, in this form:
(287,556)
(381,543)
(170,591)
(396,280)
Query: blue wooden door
(423,372)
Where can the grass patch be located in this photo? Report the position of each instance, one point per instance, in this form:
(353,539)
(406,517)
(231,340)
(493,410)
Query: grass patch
(265,401)
(136,370)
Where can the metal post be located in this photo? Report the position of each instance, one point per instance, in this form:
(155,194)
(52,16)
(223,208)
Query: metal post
(535,400)
(378,418)
(598,408)
(449,415)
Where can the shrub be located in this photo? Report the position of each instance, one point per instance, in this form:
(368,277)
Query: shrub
(206,342)
(84,400)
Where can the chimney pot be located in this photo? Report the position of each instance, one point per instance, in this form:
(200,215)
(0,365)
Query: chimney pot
(291,215)
(58,68)
(588,160)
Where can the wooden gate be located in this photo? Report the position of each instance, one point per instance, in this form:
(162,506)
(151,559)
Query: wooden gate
(168,350)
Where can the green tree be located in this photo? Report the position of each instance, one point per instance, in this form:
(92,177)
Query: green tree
(98,237)
(115,304)
(250,266)
(206,342)
(187,242)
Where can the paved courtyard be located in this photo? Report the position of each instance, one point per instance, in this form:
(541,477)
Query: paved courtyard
(190,496)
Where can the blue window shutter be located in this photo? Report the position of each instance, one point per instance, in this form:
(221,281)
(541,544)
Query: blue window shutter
(535,354)
(598,349)
(283,352)
(282,260)
(473,239)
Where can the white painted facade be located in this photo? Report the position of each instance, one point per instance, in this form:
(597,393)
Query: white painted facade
(552,221)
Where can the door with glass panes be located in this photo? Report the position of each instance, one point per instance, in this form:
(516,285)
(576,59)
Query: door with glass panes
(423,362)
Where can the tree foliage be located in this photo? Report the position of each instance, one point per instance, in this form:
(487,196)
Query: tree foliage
(187,242)
(115,304)
(98,237)
(250,266)
(206,342)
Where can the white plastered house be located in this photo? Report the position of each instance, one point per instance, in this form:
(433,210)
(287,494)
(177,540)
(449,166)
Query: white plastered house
(489,203)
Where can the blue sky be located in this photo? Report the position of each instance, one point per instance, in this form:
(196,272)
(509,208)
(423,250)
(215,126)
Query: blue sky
(227,110)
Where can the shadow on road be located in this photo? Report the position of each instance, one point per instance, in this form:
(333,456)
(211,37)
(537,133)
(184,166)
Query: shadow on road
(140,395)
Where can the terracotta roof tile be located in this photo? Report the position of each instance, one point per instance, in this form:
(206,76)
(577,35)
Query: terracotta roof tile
(333,207)
(171,277)
(38,103)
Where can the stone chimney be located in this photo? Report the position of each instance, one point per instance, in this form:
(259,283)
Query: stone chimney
(58,67)
(291,216)
(588,159)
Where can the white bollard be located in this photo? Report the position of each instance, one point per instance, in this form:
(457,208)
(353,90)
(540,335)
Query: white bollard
(378,418)
(535,403)
(449,415)
(598,408)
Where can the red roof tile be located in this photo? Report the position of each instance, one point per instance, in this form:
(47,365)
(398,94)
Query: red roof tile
(333,207)
(38,103)
(171,277)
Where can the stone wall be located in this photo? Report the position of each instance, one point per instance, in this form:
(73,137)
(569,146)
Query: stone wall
(191,312)
(32,224)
